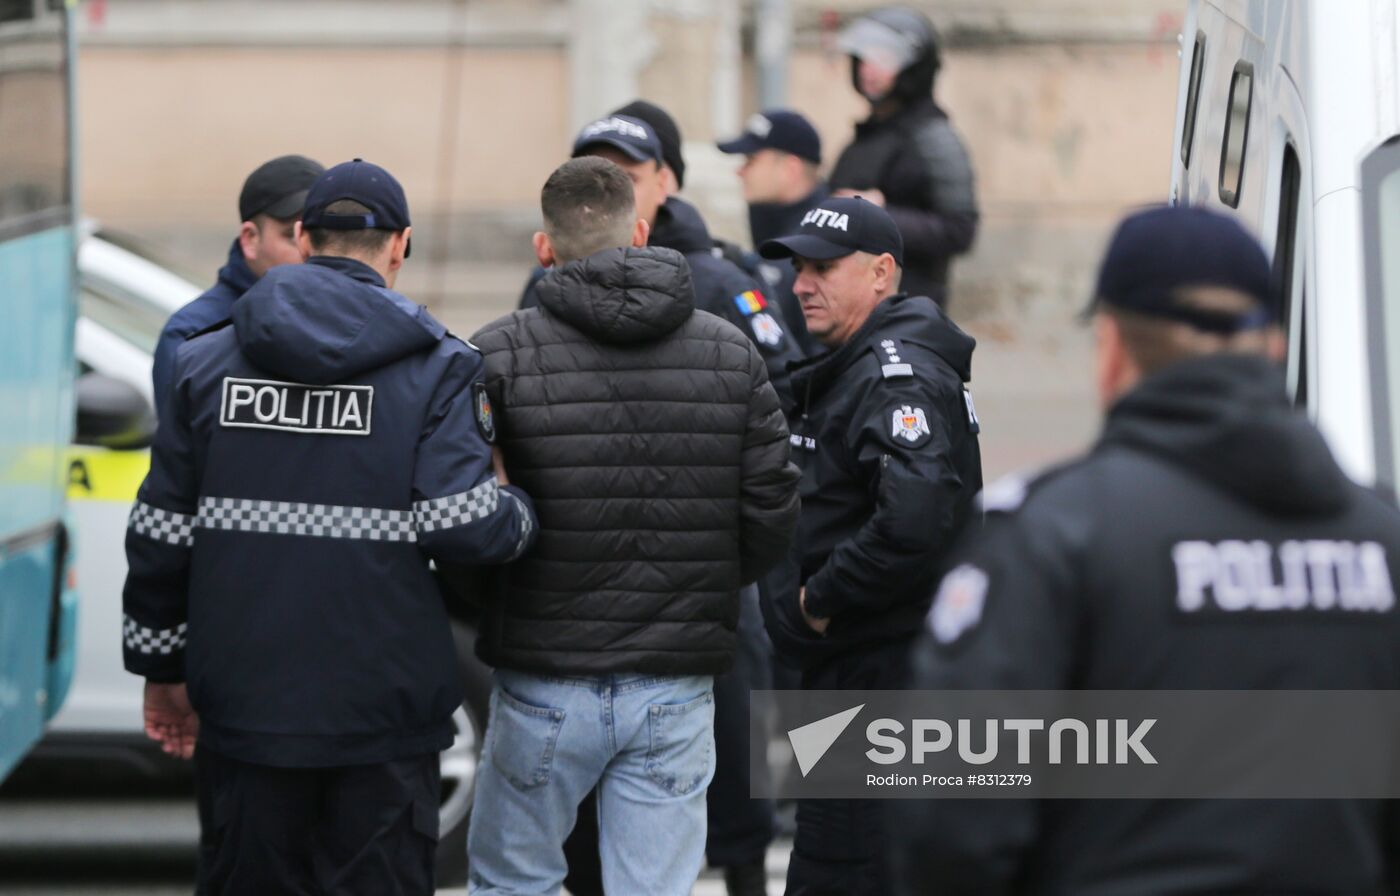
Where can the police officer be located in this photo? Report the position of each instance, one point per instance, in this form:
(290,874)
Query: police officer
(906,155)
(782,152)
(269,206)
(319,449)
(886,435)
(1076,581)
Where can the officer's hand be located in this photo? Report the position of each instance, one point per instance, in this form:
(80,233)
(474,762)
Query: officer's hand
(498,461)
(815,623)
(875,197)
(170,719)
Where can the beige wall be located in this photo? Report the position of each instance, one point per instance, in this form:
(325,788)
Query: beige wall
(1064,134)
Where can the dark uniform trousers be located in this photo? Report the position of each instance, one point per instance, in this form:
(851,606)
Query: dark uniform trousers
(365,829)
(840,845)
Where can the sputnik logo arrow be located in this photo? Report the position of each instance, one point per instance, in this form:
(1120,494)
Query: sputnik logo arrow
(811,741)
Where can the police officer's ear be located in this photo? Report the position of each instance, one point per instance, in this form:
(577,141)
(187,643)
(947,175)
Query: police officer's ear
(885,274)
(1276,345)
(249,236)
(668,181)
(303,241)
(641,232)
(1115,369)
(398,248)
(544,249)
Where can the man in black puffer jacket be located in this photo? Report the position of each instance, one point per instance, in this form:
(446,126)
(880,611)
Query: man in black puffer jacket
(659,456)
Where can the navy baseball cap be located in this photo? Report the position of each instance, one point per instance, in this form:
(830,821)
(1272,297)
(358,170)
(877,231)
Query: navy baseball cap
(1158,252)
(838,227)
(778,129)
(362,182)
(278,188)
(635,138)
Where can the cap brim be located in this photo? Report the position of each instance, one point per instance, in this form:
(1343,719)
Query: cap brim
(631,150)
(742,145)
(286,208)
(805,245)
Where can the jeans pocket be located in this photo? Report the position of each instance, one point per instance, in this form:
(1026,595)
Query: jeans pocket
(681,755)
(521,739)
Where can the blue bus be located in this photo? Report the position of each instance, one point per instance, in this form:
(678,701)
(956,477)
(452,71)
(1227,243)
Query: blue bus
(37,369)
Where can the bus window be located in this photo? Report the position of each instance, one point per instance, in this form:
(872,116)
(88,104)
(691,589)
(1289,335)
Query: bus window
(1236,134)
(1193,98)
(34,175)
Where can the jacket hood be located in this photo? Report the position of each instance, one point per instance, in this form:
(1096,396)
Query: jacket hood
(680,227)
(621,296)
(235,274)
(1228,419)
(328,320)
(914,319)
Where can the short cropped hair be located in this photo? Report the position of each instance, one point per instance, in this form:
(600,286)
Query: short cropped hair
(367,242)
(1155,342)
(588,206)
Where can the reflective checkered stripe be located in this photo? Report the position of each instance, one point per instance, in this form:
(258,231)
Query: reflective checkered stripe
(164,526)
(322,520)
(141,639)
(458,510)
(526,526)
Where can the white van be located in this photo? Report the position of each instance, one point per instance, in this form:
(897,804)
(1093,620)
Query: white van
(1288,115)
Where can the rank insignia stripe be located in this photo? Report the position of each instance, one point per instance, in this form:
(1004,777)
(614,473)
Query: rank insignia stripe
(296,407)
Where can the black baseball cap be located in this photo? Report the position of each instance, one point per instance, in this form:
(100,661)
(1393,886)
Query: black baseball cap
(1157,252)
(838,227)
(666,131)
(633,137)
(778,129)
(278,188)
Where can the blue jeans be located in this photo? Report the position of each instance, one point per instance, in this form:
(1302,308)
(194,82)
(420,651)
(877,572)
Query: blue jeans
(645,741)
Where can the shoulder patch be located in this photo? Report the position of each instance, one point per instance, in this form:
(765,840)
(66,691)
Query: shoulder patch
(481,409)
(750,302)
(890,351)
(766,330)
(909,423)
(957,607)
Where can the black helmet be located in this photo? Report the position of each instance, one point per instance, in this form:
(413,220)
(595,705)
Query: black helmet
(900,39)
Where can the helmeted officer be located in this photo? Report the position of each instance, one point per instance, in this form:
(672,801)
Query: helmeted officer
(268,205)
(782,153)
(906,155)
(1112,572)
(318,451)
(886,435)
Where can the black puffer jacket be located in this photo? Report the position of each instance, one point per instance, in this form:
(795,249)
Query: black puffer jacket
(657,454)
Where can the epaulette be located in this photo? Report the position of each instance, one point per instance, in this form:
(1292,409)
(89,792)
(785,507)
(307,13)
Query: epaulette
(890,352)
(212,328)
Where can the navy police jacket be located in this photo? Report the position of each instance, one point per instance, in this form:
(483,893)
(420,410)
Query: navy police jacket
(317,453)
(211,307)
(886,436)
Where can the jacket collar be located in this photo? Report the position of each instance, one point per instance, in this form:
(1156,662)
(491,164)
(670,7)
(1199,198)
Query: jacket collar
(355,270)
